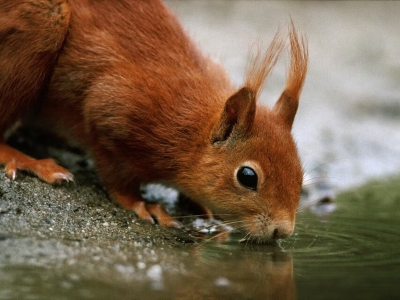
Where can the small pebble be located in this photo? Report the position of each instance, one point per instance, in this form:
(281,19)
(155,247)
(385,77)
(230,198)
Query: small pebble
(222,281)
(141,265)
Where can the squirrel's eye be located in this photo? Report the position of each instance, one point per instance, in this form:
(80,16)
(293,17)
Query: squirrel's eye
(247,177)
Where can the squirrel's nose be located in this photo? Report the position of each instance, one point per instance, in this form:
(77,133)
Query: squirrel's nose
(282,229)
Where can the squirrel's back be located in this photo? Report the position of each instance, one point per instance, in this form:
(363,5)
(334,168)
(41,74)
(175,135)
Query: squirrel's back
(147,79)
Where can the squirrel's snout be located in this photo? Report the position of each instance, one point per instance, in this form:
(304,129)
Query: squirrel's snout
(270,232)
(281,230)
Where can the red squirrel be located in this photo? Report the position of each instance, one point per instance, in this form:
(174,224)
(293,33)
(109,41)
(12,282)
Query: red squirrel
(124,81)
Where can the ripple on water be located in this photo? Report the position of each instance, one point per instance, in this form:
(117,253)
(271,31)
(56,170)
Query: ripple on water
(354,235)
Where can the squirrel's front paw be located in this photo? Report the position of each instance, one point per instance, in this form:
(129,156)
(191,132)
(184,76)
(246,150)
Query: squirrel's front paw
(147,211)
(46,169)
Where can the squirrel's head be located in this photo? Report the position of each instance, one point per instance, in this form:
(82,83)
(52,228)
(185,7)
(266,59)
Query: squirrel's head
(250,174)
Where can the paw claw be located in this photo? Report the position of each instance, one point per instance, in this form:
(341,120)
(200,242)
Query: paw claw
(11,169)
(11,174)
(59,177)
(174,224)
(149,219)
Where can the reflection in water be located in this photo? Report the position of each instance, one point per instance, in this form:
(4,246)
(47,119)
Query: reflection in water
(228,272)
(208,271)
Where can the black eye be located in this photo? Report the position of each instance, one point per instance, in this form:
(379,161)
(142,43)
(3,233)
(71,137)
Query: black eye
(247,177)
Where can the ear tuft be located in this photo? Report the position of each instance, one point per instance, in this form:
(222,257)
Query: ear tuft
(237,117)
(286,106)
(261,64)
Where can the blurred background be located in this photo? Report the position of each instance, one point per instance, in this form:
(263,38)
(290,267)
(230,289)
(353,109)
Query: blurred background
(347,126)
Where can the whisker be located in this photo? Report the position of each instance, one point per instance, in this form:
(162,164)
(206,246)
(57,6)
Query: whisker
(324,164)
(217,235)
(287,245)
(302,207)
(229,223)
(232,222)
(302,229)
(226,223)
(322,178)
(201,215)
(248,238)
(192,216)
(222,233)
(300,220)
(245,238)
(306,164)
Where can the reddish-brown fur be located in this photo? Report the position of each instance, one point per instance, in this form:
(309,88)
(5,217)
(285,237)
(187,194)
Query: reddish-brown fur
(129,86)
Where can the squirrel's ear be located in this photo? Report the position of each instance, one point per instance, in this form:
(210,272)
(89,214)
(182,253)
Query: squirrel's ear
(286,107)
(237,117)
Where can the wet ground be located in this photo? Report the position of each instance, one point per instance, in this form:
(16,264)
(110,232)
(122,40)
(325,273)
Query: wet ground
(73,242)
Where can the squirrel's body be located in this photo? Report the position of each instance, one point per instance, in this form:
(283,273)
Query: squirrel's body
(117,87)
(123,80)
